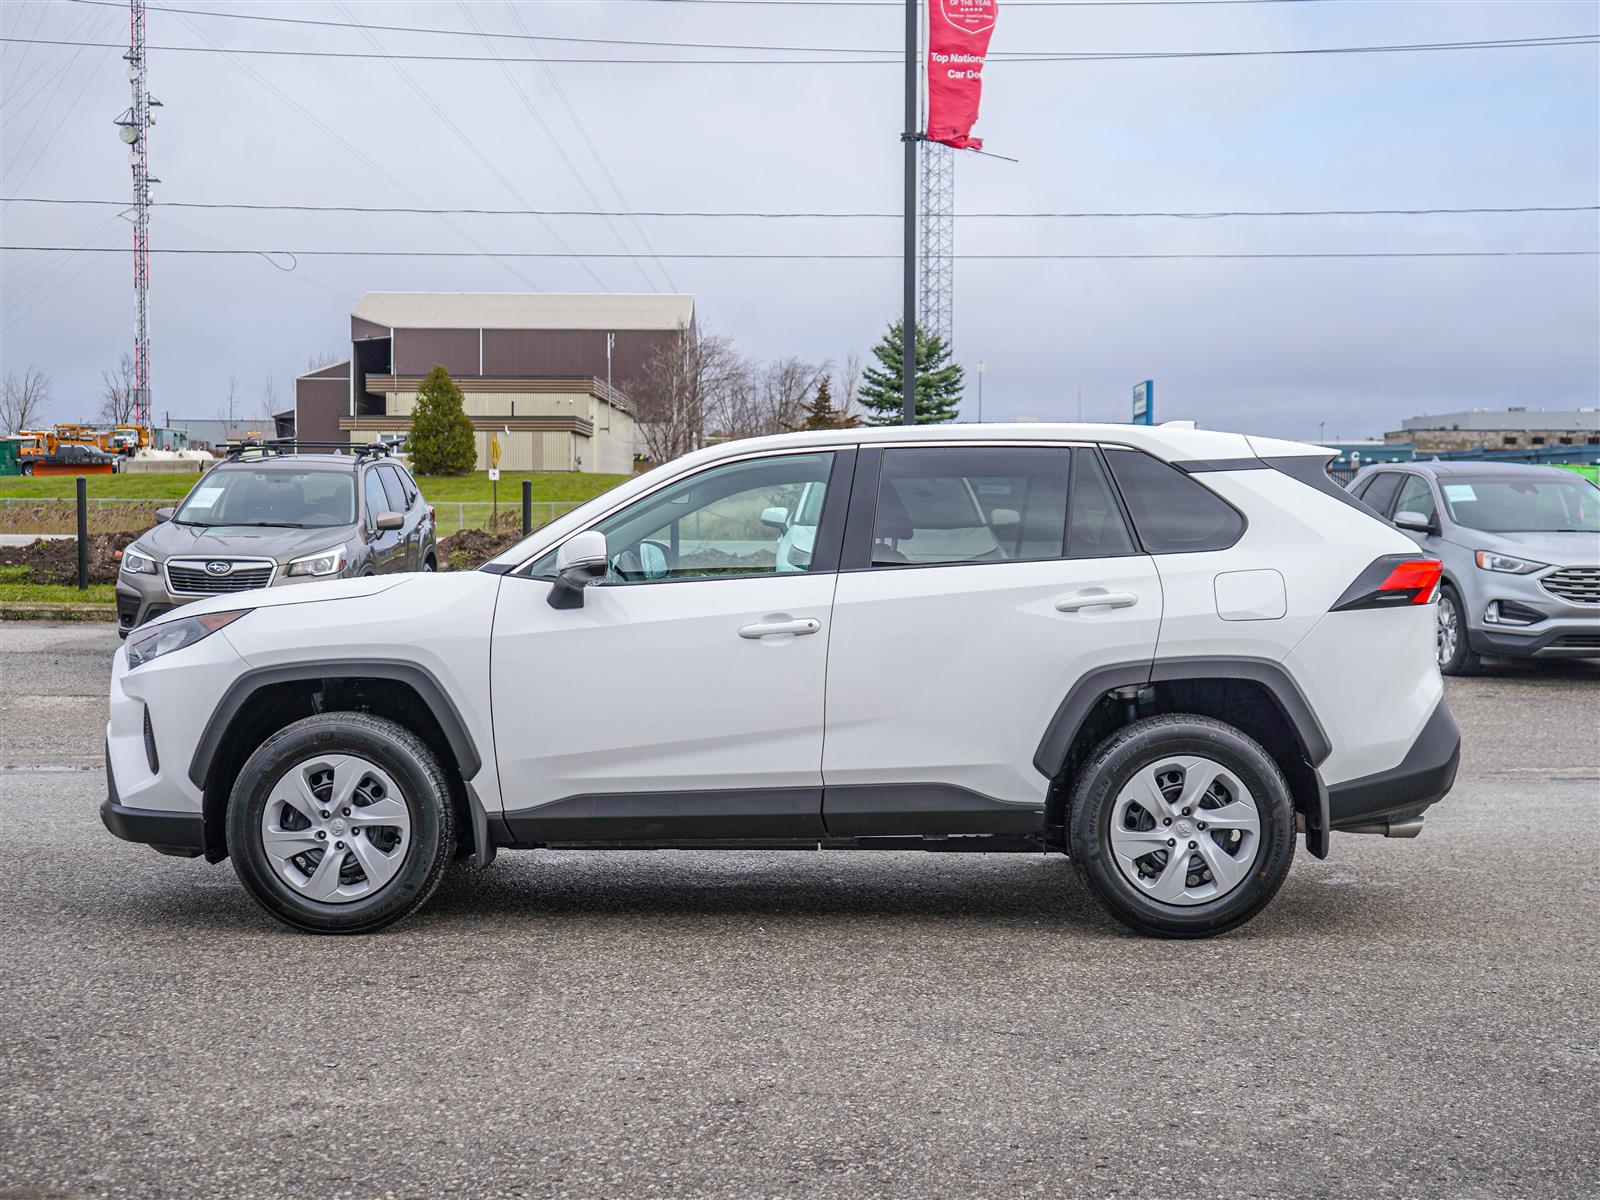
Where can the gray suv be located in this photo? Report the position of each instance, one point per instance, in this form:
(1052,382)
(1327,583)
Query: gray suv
(272,514)
(1521,552)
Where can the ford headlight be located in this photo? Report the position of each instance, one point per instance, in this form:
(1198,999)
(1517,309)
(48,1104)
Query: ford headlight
(175,635)
(1509,564)
(323,562)
(135,563)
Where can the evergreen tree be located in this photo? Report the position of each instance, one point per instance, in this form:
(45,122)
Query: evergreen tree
(441,441)
(820,412)
(939,380)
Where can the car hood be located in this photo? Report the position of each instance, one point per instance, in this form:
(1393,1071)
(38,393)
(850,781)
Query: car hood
(171,540)
(304,593)
(1557,549)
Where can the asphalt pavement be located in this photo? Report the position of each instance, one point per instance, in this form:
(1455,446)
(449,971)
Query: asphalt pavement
(1409,1018)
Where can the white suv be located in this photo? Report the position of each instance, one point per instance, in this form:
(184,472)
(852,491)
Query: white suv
(1160,651)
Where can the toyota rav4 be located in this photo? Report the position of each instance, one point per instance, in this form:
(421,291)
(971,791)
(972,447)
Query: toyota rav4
(1129,645)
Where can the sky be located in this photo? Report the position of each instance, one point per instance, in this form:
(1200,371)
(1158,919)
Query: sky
(1304,348)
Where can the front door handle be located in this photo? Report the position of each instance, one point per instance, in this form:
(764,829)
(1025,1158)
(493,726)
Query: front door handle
(1083,600)
(773,628)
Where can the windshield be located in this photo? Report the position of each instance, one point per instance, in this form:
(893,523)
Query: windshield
(272,497)
(1523,505)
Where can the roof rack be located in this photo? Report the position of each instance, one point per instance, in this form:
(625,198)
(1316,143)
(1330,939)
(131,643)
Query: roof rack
(277,447)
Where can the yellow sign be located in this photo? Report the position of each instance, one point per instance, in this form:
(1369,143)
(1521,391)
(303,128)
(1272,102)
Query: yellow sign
(494,450)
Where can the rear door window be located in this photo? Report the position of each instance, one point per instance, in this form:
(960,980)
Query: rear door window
(962,504)
(1172,512)
(1098,529)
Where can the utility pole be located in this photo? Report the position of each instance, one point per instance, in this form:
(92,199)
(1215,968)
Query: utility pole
(134,131)
(909,139)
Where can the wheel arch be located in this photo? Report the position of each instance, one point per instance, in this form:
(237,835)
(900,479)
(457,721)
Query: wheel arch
(262,701)
(1256,696)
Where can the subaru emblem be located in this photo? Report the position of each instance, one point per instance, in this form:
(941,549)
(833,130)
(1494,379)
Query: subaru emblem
(219,568)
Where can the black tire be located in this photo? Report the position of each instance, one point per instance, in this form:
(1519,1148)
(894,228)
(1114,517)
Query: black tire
(1463,661)
(400,753)
(27,468)
(1143,744)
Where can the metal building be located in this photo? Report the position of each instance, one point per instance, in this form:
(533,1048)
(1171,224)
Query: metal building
(549,375)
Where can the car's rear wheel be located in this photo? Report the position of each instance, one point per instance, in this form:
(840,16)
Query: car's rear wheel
(1455,653)
(1182,826)
(341,823)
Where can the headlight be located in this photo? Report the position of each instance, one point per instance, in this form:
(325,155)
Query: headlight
(134,563)
(175,635)
(1489,560)
(323,562)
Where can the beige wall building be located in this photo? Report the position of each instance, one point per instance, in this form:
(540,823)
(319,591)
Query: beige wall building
(1499,429)
(549,375)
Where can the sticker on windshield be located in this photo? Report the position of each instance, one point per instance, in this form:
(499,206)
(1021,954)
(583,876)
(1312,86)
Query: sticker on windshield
(204,497)
(1459,491)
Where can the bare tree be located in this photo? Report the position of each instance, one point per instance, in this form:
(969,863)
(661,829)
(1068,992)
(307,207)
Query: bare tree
(849,386)
(22,403)
(322,358)
(116,393)
(269,401)
(230,405)
(682,383)
(786,385)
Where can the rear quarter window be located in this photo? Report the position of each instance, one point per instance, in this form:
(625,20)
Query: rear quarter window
(1172,513)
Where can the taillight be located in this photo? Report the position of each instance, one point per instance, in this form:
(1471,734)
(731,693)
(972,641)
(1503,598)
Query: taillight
(1393,581)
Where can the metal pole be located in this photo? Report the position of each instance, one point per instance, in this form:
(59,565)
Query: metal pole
(83,534)
(527,507)
(908,325)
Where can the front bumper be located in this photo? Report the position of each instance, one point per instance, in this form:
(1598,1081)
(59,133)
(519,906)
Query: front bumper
(1548,639)
(1405,791)
(1543,624)
(176,833)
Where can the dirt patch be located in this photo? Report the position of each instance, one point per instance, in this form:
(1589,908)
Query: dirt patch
(471,548)
(56,560)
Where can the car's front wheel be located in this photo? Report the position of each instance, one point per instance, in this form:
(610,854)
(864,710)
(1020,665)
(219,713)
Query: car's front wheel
(1450,635)
(1182,826)
(341,823)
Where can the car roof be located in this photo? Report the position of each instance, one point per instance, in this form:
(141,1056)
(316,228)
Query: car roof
(1469,466)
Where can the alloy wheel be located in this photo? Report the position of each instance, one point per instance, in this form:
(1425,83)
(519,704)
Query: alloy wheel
(1447,629)
(336,828)
(1185,830)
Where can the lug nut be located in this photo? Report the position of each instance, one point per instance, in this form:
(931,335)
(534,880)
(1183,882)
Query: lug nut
(347,812)
(1192,845)
(1185,813)
(321,836)
(1170,842)
(1166,820)
(325,813)
(1202,824)
(340,845)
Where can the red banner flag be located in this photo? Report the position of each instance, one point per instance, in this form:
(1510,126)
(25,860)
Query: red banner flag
(958,40)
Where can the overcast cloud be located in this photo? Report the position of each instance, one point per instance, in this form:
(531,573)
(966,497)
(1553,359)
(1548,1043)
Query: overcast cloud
(1278,347)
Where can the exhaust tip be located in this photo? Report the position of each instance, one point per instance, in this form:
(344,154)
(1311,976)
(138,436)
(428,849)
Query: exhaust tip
(1395,829)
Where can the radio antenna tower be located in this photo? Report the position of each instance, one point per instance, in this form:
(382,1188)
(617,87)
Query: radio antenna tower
(937,300)
(134,127)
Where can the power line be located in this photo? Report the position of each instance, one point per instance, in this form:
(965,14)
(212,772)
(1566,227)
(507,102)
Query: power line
(1553,41)
(783,257)
(818,215)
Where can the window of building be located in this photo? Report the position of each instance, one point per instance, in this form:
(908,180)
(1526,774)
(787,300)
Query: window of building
(1538,441)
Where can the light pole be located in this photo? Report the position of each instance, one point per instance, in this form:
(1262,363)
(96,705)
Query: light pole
(982,367)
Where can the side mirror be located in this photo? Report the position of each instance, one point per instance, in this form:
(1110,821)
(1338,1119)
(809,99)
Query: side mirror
(165,514)
(1005,516)
(1414,521)
(391,520)
(775,518)
(581,561)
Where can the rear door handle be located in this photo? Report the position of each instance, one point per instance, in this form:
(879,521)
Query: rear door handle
(773,628)
(1083,600)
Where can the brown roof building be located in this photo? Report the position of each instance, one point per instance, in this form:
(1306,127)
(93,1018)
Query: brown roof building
(548,375)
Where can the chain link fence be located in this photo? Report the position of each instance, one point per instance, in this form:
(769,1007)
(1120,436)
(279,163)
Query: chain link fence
(110,515)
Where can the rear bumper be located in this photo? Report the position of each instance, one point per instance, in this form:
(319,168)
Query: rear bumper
(1421,779)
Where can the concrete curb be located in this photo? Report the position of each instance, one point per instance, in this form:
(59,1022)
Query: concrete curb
(23,610)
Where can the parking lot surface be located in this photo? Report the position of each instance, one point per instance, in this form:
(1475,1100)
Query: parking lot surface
(1408,1018)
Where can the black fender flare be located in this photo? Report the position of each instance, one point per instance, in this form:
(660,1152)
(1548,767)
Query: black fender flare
(418,678)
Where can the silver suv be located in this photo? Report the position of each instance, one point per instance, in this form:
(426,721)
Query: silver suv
(1521,552)
(271,515)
